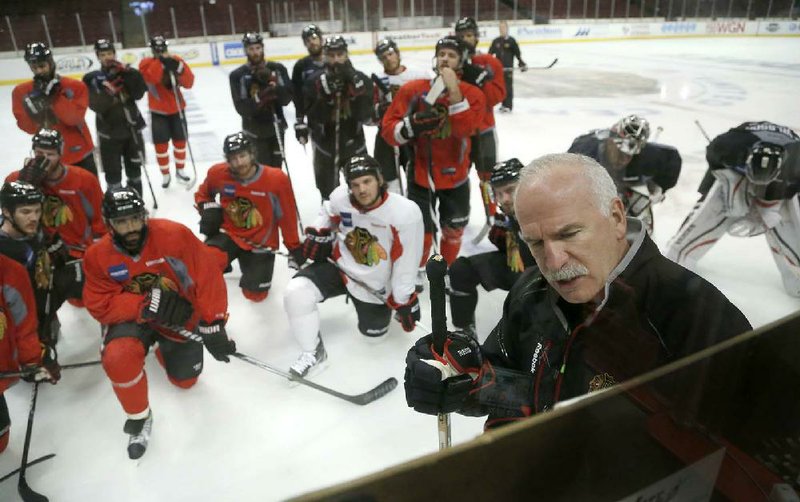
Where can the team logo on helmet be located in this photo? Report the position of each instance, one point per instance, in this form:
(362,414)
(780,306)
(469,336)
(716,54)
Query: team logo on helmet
(55,213)
(243,213)
(364,247)
(143,283)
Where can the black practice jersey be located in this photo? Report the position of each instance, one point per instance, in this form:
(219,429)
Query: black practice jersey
(255,102)
(302,71)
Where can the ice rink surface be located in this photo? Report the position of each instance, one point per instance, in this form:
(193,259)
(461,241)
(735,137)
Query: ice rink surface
(244,434)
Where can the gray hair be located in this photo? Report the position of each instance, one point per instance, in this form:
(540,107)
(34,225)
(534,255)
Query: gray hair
(600,182)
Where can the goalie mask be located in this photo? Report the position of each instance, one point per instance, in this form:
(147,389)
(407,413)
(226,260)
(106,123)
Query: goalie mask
(630,134)
(763,164)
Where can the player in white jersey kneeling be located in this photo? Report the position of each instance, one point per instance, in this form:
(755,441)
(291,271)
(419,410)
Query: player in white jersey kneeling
(367,244)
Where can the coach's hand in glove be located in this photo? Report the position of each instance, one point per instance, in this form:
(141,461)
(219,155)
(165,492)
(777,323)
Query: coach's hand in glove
(437,383)
(166,308)
(215,338)
(318,245)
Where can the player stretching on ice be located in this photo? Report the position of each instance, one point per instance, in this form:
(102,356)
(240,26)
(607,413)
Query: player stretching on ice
(375,238)
(144,280)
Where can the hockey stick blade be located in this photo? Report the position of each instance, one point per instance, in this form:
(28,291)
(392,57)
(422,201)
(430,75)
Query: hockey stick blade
(360,399)
(31,463)
(27,494)
(484,230)
(517,68)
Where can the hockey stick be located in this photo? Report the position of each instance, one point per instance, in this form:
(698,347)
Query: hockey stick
(487,225)
(140,146)
(336,135)
(25,491)
(395,149)
(30,371)
(519,68)
(702,131)
(32,462)
(185,126)
(360,399)
(276,123)
(436,268)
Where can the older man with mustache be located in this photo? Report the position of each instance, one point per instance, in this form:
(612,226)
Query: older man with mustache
(603,306)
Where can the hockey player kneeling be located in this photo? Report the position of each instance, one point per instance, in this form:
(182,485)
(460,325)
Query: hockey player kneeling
(366,242)
(750,189)
(145,282)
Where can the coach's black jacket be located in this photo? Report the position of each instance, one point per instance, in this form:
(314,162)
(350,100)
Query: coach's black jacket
(654,312)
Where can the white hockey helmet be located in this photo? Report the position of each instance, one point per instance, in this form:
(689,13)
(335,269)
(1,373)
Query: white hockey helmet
(763,164)
(630,134)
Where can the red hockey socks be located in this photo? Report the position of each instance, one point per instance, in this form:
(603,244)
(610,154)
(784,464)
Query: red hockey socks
(162,156)
(123,362)
(450,243)
(179,152)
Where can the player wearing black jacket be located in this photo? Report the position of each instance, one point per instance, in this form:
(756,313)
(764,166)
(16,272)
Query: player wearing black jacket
(260,89)
(505,48)
(302,71)
(113,92)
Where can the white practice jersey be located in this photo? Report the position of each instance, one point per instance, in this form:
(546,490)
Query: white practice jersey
(395,82)
(381,247)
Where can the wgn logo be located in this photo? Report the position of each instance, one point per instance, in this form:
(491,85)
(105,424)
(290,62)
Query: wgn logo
(583,31)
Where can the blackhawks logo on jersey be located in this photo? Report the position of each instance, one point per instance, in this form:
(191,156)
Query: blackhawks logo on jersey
(3,324)
(364,247)
(601,381)
(513,258)
(243,213)
(143,283)
(42,270)
(55,213)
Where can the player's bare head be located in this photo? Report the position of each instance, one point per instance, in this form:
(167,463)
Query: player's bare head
(40,60)
(467,31)
(21,204)
(126,217)
(573,222)
(503,28)
(48,143)
(450,53)
(253,44)
(364,178)
(238,150)
(503,180)
(312,38)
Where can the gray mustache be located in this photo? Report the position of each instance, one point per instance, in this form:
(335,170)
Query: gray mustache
(567,272)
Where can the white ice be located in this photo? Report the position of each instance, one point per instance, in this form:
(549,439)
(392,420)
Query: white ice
(244,434)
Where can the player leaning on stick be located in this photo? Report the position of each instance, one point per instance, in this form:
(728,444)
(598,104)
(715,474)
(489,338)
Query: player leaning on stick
(145,280)
(374,237)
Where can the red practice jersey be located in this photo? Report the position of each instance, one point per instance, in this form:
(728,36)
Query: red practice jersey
(72,208)
(494,89)
(19,342)
(255,209)
(160,98)
(449,145)
(171,258)
(67,112)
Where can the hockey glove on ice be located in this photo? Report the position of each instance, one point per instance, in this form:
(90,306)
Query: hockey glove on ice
(210,218)
(35,170)
(166,308)
(215,338)
(297,257)
(408,313)
(318,245)
(441,383)
(301,132)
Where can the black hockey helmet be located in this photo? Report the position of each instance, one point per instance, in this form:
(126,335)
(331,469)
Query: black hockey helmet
(506,171)
(764,162)
(454,43)
(465,24)
(121,202)
(630,134)
(251,38)
(38,52)
(235,143)
(362,165)
(48,139)
(335,43)
(19,193)
(385,44)
(159,44)
(104,44)
(309,31)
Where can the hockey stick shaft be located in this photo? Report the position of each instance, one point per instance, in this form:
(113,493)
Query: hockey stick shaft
(139,141)
(338,120)
(387,93)
(185,127)
(702,131)
(436,269)
(520,68)
(278,136)
(14,374)
(32,462)
(25,491)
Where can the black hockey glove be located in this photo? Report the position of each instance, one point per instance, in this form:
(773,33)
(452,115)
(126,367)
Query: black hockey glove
(48,87)
(332,84)
(215,338)
(318,245)
(211,217)
(344,71)
(523,67)
(34,170)
(68,276)
(36,105)
(297,257)
(166,308)
(441,384)
(419,123)
(475,75)
(497,234)
(172,65)
(407,314)
(49,370)
(301,132)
